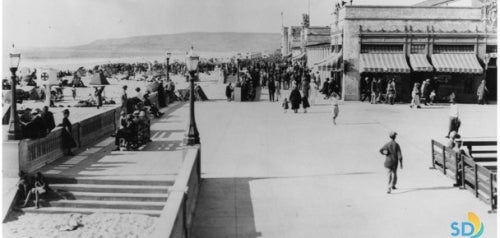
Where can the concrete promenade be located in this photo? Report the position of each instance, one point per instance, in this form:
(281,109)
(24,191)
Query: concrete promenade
(273,174)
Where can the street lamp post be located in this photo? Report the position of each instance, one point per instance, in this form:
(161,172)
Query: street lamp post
(14,127)
(168,64)
(193,137)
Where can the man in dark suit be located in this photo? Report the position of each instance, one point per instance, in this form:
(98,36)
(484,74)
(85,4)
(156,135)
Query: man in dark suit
(392,151)
(48,119)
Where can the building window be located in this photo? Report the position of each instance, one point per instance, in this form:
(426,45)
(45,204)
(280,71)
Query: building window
(440,49)
(418,49)
(365,48)
(491,49)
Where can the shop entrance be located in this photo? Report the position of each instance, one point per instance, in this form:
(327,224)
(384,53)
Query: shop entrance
(491,79)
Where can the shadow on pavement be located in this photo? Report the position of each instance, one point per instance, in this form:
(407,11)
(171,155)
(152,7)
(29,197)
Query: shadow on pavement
(225,209)
(409,190)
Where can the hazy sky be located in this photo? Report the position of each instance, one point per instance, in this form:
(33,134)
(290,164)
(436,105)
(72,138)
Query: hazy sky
(41,23)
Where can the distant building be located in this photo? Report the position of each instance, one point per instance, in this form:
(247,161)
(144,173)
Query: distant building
(295,41)
(454,45)
(316,44)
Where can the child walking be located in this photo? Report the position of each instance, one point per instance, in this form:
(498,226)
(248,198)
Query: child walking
(285,105)
(73,92)
(335,104)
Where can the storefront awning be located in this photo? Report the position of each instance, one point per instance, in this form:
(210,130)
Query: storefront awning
(383,63)
(420,63)
(330,62)
(456,63)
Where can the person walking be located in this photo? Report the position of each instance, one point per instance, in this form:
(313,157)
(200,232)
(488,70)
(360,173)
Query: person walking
(391,92)
(305,95)
(425,91)
(67,134)
(393,157)
(481,93)
(374,91)
(365,90)
(278,85)
(285,105)
(454,123)
(295,98)
(229,92)
(73,92)
(272,88)
(313,91)
(335,104)
(326,88)
(415,96)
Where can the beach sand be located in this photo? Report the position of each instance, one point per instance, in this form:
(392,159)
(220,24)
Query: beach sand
(106,225)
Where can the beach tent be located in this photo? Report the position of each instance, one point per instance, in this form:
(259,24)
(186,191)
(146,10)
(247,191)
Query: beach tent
(98,79)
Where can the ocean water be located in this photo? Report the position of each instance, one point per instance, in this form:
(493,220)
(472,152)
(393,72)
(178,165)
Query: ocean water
(74,63)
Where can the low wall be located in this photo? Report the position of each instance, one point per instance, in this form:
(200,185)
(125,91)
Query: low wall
(35,153)
(177,215)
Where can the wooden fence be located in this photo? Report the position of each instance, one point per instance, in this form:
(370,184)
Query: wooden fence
(476,173)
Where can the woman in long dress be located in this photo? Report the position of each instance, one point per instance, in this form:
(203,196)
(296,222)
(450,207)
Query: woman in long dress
(295,99)
(305,94)
(67,134)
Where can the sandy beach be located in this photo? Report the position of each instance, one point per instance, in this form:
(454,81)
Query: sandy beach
(105,225)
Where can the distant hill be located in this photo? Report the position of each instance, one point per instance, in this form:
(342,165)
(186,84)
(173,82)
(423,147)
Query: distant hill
(157,44)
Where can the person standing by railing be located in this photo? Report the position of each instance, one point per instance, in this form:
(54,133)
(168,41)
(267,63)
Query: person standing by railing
(67,134)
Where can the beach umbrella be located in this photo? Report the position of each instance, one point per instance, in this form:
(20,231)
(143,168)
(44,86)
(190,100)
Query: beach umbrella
(98,79)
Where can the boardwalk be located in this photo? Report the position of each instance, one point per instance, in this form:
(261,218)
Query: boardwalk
(270,174)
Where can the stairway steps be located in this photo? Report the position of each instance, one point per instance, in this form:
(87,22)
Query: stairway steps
(107,188)
(101,204)
(151,197)
(85,180)
(59,210)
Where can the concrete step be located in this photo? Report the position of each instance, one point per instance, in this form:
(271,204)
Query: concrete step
(60,210)
(101,204)
(148,197)
(86,180)
(106,188)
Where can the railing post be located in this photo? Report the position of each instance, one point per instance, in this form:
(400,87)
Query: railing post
(457,169)
(493,197)
(476,182)
(432,157)
(444,160)
(462,161)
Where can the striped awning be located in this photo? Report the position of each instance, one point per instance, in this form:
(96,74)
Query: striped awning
(330,62)
(420,63)
(456,63)
(383,63)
